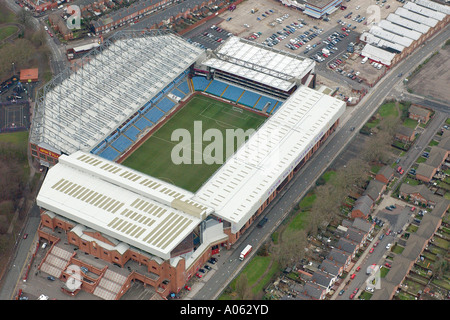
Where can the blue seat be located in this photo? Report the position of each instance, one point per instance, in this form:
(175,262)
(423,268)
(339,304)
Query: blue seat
(132,132)
(184,87)
(249,99)
(143,123)
(109,154)
(216,88)
(200,83)
(122,143)
(232,93)
(178,93)
(154,115)
(263,101)
(165,104)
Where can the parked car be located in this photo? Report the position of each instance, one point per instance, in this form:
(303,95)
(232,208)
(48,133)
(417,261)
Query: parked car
(353,276)
(357,269)
(341,292)
(207,267)
(25,235)
(371,250)
(187,288)
(388,246)
(198,275)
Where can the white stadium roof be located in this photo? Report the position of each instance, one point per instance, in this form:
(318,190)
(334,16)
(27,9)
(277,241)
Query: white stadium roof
(424,11)
(259,63)
(378,54)
(77,110)
(416,17)
(125,204)
(251,175)
(419,27)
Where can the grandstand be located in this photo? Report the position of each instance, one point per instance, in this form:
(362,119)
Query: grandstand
(269,71)
(235,93)
(87,108)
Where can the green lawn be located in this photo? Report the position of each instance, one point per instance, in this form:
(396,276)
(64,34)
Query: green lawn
(5,32)
(410,123)
(158,155)
(17,138)
(388,110)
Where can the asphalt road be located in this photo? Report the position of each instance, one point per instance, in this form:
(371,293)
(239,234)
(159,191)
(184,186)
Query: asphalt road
(229,265)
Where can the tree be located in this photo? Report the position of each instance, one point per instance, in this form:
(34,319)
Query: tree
(243,289)
(291,248)
(24,17)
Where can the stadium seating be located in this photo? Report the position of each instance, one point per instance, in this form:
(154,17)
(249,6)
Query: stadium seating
(272,111)
(143,123)
(178,93)
(232,93)
(200,83)
(121,143)
(263,101)
(216,88)
(109,153)
(165,104)
(132,132)
(249,99)
(184,87)
(154,115)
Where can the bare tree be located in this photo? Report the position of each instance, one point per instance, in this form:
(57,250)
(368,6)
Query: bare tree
(243,289)
(291,248)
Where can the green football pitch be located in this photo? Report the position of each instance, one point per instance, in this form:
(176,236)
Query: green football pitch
(159,155)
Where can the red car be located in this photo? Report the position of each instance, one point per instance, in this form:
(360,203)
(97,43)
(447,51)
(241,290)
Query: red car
(413,208)
(357,269)
(198,275)
(371,250)
(353,276)
(399,169)
(352,296)
(387,265)
(343,29)
(376,243)
(187,288)
(388,232)
(25,235)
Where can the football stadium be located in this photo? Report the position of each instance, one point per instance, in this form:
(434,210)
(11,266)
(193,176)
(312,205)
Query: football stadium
(106,133)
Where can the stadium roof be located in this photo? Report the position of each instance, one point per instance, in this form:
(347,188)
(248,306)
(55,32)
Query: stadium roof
(424,11)
(416,17)
(77,110)
(259,63)
(253,173)
(419,27)
(377,54)
(125,204)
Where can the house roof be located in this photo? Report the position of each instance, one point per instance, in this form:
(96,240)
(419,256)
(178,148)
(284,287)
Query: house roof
(428,226)
(386,171)
(413,247)
(313,290)
(354,234)
(363,207)
(420,189)
(331,267)
(374,189)
(362,224)
(425,170)
(398,271)
(337,255)
(414,109)
(437,155)
(29,74)
(321,278)
(440,208)
(405,131)
(365,199)
(346,245)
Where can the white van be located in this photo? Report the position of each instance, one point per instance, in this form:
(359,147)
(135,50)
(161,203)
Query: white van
(364,60)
